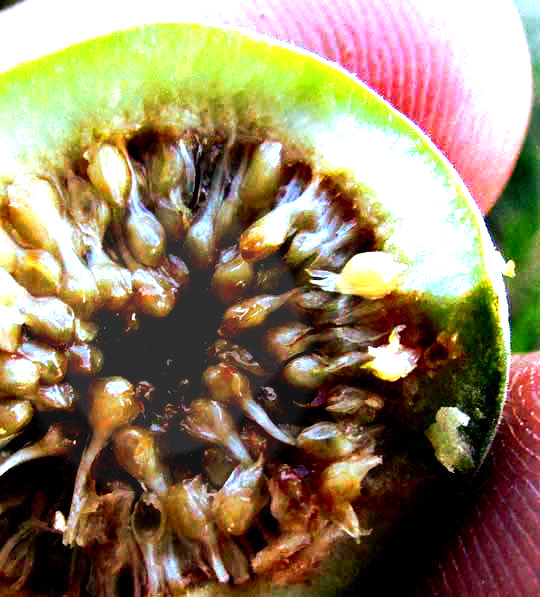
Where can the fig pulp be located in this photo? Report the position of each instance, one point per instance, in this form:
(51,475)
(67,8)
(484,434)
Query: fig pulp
(265,318)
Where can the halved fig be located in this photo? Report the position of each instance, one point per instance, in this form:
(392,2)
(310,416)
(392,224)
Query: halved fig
(266,270)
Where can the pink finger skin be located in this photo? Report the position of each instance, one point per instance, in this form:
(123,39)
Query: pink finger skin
(496,550)
(461,70)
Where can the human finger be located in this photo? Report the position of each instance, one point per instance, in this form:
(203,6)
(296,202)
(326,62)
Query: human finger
(460,70)
(496,548)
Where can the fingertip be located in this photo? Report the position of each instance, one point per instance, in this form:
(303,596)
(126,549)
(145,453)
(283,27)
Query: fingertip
(497,544)
(460,70)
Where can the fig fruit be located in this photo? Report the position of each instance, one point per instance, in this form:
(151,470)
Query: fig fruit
(270,274)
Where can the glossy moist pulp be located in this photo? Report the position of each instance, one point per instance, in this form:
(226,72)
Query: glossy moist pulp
(254,421)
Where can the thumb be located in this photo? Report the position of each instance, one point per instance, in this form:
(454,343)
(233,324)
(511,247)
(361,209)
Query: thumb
(461,70)
(496,547)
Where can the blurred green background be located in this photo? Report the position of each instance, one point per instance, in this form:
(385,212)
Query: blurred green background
(515,220)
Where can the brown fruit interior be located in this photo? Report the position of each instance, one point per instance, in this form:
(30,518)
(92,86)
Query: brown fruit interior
(223,333)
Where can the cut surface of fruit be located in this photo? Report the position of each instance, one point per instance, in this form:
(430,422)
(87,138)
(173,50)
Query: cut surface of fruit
(266,318)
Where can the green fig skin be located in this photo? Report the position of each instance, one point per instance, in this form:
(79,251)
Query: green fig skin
(174,77)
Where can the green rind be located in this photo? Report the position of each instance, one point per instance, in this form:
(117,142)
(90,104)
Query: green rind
(182,75)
